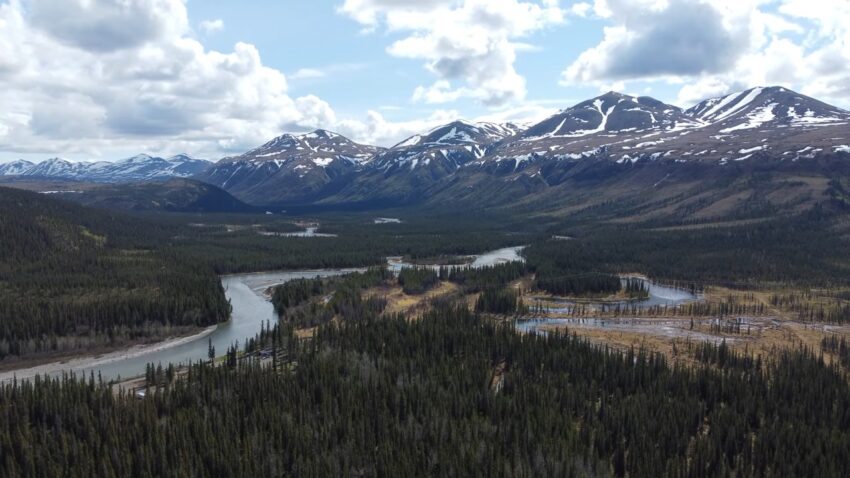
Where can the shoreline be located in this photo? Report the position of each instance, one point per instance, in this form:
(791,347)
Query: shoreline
(86,361)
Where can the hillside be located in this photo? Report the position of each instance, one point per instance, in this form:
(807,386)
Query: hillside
(75,279)
(290,168)
(174,195)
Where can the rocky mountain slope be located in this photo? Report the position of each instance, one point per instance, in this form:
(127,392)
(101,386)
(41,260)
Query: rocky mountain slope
(763,149)
(290,167)
(773,121)
(509,163)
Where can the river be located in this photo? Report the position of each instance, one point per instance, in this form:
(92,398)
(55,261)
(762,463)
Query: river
(492,258)
(250,310)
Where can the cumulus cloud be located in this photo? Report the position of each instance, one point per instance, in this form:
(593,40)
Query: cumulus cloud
(719,46)
(88,77)
(107,25)
(682,38)
(375,129)
(470,46)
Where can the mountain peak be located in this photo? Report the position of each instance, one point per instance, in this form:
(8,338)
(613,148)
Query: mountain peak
(321,133)
(608,113)
(183,158)
(139,158)
(16,167)
(761,106)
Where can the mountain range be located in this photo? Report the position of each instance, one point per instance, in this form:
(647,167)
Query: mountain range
(615,148)
(141,167)
(595,140)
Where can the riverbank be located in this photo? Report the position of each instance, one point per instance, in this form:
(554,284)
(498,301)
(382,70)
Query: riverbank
(90,361)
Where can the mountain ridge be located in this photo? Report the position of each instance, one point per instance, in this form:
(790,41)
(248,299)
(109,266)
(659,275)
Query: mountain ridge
(613,127)
(141,167)
(489,163)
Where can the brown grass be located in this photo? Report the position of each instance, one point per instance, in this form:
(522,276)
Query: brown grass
(399,302)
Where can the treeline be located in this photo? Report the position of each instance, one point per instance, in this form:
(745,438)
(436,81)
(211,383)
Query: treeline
(464,395)
(500,301)
(582,284)
(803,250)
(296,291)
(293,300)
(357,245)
(815,308)
(477,279)
(635,288)
(839,347)
(73,278)
(416,280)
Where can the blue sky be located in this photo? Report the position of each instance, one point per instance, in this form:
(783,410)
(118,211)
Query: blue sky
(105,79)
(303,34)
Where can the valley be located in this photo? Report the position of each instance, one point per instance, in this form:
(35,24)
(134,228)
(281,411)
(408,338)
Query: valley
(624,262)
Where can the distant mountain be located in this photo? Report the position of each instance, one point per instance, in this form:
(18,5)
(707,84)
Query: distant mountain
(610,113)
(460,133)
(409,170)
(290,167)
(138,168)
(173,195)
(446,147)
(773,121)
(57,168)
(773,106)
(15,167)
(598,143)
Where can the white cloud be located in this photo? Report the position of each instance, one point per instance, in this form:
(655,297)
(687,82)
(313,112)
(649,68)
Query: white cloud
(715,47)
(88,77)
(327,71)
(375,129)
(307,73)
(107,25)
(651,39)
(581,9)
(212,26)
(526,114)
(470,46)
(159,89)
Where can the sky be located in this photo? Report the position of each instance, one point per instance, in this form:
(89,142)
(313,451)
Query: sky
(108,79)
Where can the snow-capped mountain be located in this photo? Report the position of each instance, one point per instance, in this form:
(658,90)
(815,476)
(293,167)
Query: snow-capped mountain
(137,168)
(14,168)
(610,113)
(319,147)
(759,121)
(461,132)
(772,106)
(444,148)
(411,168)
(56,168)
(771,122)
(589,127)
(143,167)
(290,166)
(760,124)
